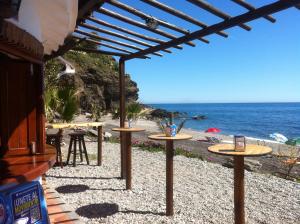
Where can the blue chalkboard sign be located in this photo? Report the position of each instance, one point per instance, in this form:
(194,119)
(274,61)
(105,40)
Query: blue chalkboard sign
(23,204)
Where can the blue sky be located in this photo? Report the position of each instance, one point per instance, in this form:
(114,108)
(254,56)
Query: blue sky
(262,65)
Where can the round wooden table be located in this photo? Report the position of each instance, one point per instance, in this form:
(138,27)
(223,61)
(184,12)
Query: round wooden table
(126,164)
(228,150)
(169,165)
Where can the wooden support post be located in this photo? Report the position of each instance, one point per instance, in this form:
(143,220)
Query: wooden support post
(122,114)
(128,160)
(169,177)
(40,117)
(239,212)
(99,145)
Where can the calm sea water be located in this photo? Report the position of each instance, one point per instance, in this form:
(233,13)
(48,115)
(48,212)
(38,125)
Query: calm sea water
(249,119)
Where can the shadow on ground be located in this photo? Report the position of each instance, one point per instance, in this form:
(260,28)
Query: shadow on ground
(98,210)
(69,189)
(107,209)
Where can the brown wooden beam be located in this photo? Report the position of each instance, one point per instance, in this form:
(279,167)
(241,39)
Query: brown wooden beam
(103,44)
(122,105)
(215,11)
(145,16)
(246,5)
(68,45)
(179,14)
(226,24)
(97,29)
(94,36)
(87,8)
(134,23)
(99,51)
(109,25)
(103,52)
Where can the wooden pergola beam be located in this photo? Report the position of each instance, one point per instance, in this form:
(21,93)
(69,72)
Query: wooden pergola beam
(103,52)
(69,44)
(226,24)
(87,8)
(98,51)
(98,29)
(179,14)
(246,5)
(103,44)
(216,12)
(109,25)
(94,36)
(134,23)
(145,16)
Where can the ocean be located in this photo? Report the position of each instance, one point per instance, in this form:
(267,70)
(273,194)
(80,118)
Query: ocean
(257,120)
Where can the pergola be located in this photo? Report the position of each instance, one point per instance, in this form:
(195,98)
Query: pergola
(141,45)
(149,45)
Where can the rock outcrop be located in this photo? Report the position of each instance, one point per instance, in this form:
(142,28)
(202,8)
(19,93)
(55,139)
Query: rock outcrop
(96,80)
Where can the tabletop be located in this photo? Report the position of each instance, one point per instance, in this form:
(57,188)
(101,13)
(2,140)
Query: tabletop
(177,137)
(128,129)
(74,125)
(251,150)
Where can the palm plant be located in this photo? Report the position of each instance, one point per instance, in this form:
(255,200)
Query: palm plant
(134,111)
(51,103)
(62,100)
(68,103)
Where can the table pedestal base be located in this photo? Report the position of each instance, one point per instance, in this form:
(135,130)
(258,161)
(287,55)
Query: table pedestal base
(239,212)
(169,177)
(128,159)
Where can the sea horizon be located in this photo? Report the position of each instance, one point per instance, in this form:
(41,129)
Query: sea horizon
(257,120)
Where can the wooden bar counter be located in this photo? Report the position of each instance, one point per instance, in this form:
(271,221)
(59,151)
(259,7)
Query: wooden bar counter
(17,168)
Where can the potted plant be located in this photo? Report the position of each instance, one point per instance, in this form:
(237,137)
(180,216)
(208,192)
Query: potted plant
(168,126)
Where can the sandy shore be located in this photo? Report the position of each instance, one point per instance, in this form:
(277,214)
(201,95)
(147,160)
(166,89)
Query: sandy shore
(271,164)
(203,191)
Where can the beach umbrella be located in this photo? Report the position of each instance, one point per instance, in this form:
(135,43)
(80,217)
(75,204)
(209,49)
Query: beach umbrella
(279,137)
(293,141)
(213,130)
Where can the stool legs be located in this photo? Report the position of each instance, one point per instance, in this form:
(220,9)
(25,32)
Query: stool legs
(75,151)
(70,150)
(85,152)
(80,148)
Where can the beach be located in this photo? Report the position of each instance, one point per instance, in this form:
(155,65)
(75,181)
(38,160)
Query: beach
(203,191)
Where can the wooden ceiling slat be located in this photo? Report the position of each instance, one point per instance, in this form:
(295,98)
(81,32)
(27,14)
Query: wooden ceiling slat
(87,8)
(246,5)
(99,51)
(109,25)
(145,16)
(98,29)
(105,52)
(179,14)
(216,12)
(103,44)
(91,35)
(226,24)
(134,23)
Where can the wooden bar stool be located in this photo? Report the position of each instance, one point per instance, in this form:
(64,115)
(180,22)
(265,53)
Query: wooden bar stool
(77,137)
(54,139)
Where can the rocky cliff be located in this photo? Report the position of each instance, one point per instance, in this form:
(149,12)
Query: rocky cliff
(95,80)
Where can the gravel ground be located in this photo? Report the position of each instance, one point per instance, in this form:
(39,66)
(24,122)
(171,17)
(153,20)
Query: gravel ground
(203,191)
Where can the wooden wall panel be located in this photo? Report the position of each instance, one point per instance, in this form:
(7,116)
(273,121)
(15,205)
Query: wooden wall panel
(18,105)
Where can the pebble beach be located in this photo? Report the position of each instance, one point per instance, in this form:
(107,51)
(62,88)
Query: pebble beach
(203,191)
